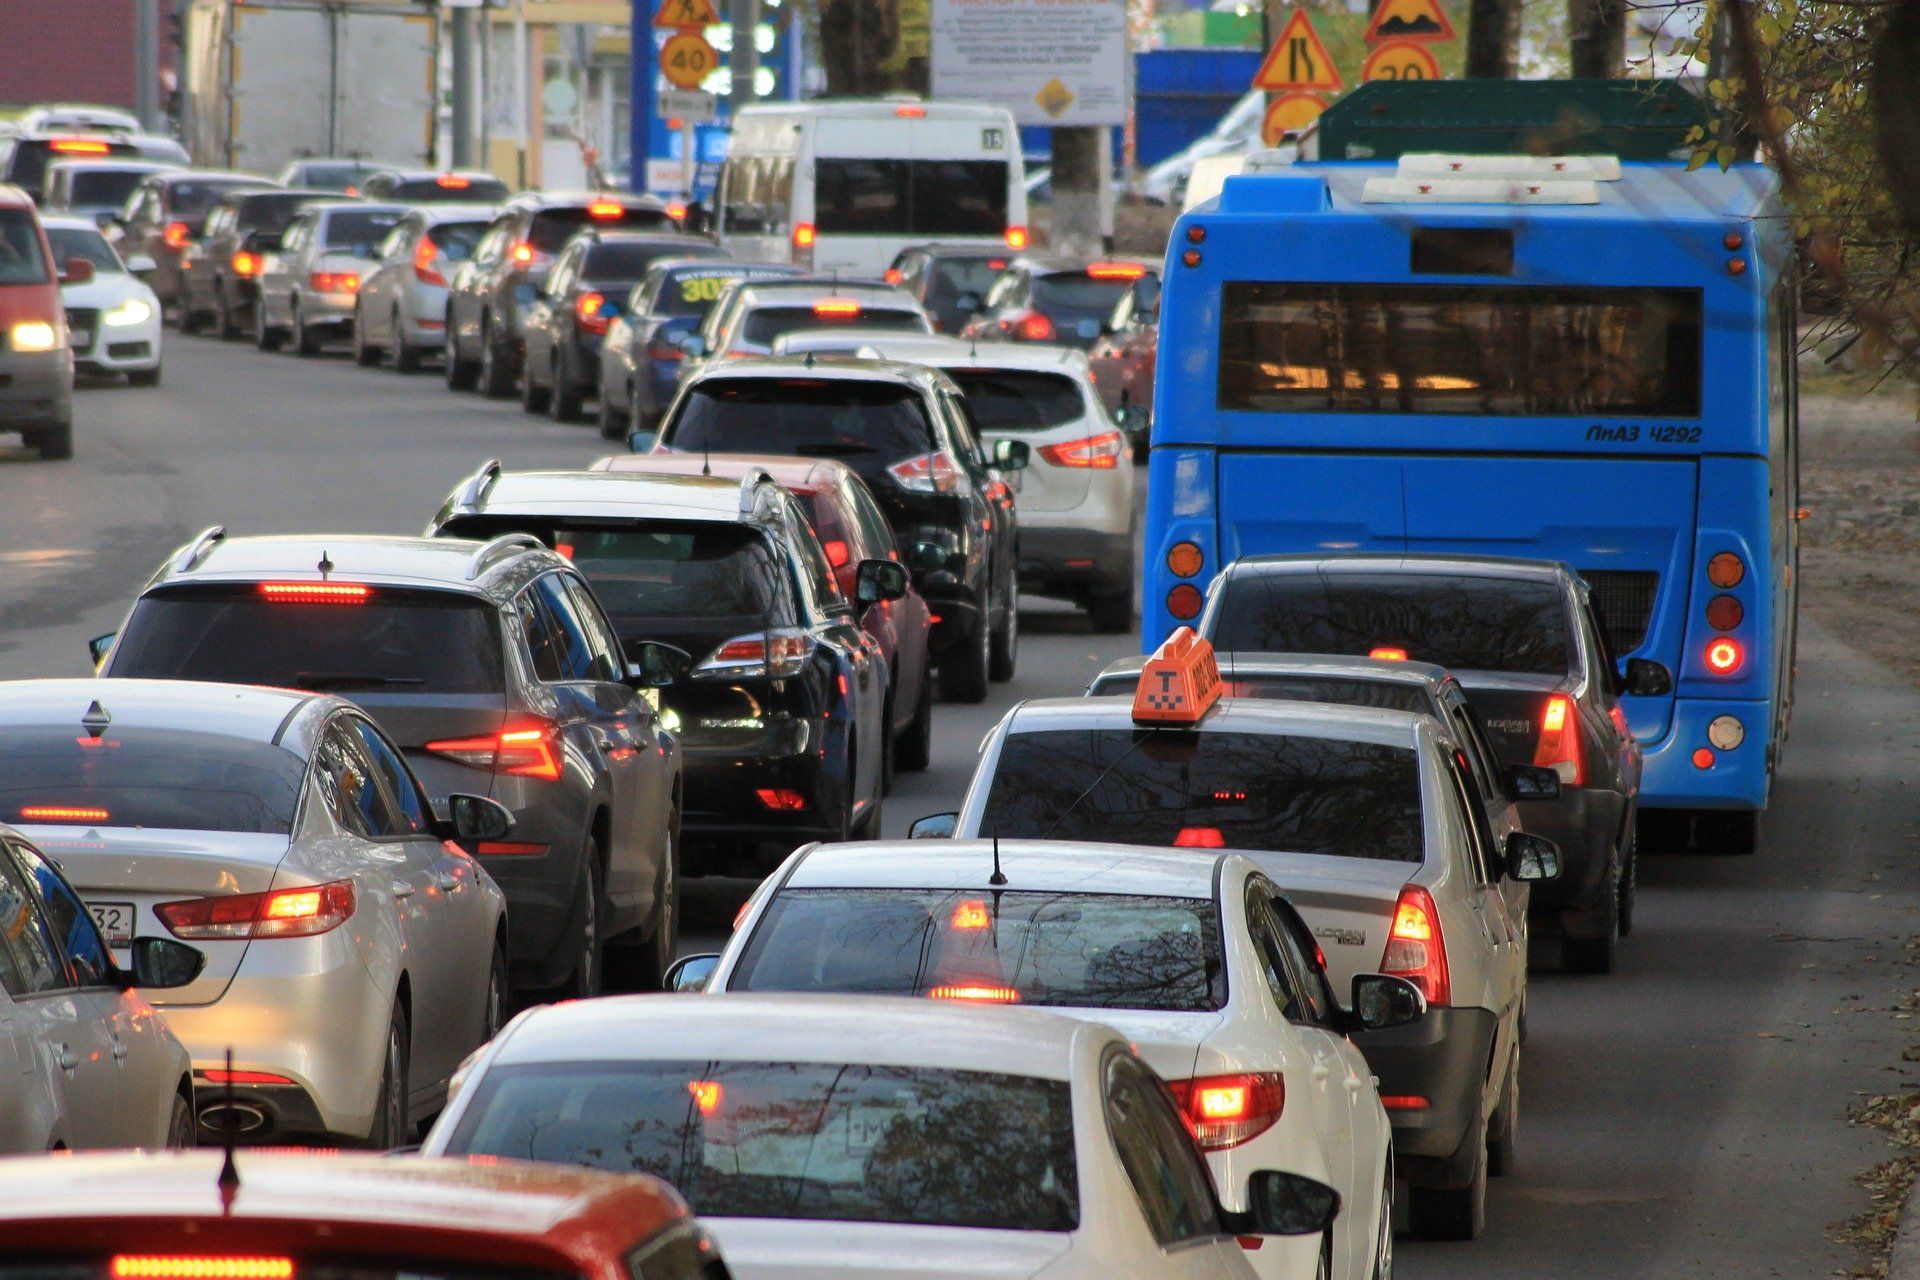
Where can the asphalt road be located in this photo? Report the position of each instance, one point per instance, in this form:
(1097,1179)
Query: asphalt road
(1681,1118)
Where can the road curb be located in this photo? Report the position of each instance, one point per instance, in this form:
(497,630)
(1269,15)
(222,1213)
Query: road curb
(1903,1261)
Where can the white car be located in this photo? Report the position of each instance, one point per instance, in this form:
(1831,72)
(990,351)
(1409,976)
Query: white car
(821,1138)
(1367,821)
(1196,958)
(310,283)
(354,955)
(113,316)
(96,1066)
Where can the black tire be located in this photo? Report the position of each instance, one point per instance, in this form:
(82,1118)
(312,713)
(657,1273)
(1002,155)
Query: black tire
(144,377)
(191,321)
(365,354)
(406,357)
(1727,833)
(589,964)
(305,343)
(1629,884)
(963,668)
(611,416)
(913,748)
(1005,652)
(1595,954)
(54,444)
(565,401)
(265,336)
(493,1012)
(1503,1130)
(181,1132)
(496,380)
(460,373)
(1383,1246)
(1454,1213)
(533,399)
(226,323)
(1111,614)
(391,1123)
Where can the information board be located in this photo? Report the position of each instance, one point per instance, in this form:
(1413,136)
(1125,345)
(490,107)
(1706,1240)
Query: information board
(1054,62)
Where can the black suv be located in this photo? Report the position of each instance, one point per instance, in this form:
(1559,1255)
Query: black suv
(586,291)
(493,668)
(782,706)
(1523,639)
(950,282)
(221,280)
(488,296)
(904,429)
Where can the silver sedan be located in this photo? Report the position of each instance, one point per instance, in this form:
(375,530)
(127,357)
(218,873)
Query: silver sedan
(354,951)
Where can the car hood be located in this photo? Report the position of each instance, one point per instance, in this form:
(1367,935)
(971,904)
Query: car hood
(104,292)
(793,1249)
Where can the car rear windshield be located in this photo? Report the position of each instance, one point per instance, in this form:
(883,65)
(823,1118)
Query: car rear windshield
(103,186)
(692,291)
(823,1141)
(175,779)
(267,213)
(433,191)
(1073,296)
(396,640)
(456,240)
(334,177)
(21,260)
(610,264)
(862,197)
(192,200)
(1209,789)
(83,242)
(1463,623)
(552,228)
(1066,950)
(1342,691)
(1016,400)
(764,324)
(359,231)
(1494,350)
(955,277)
(811,417)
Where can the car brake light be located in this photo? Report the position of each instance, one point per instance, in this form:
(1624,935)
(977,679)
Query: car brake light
(521,253)
(283,913)
(1016,238)
(706,1095)
(1200,838)
(977,992)
(334,282)
(1416,947)
(1033,327)
(837,553)
(220,1075)
(1560,748)
(779,654)
(677,210)
(893,276)
(780,799)
(928,473)
(61,813)
(246,263)
(1724,656)
(316,592)
(1116,271)
(452,182)
(910,111)
(79,147)
(425,255)
(1225,1111)
(971,914)
(1098,453)
(526,752)
(176,235)
(803,235)
(152,1266)
(1387,653)
(837,308)
(591,310)
(1404,1102)
(604,209)
(664,352)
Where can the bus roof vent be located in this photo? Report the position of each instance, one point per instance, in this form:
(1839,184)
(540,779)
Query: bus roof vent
(1274,193)
(1478,191)
(1531,168)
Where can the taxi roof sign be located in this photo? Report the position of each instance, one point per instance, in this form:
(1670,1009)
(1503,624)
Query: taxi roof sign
(1179,682)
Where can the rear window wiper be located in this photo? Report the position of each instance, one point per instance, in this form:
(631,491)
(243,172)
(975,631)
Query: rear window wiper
(348,680)
(832,449)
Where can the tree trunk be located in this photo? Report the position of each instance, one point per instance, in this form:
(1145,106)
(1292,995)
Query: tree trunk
(1074,227)
(1597,32)
(1493,39)
(856,36)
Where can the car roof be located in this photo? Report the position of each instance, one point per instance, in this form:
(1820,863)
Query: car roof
(876,1030)
(832,368)
(579,1212)
(1059,866)
(68,222)
(876,296)
(957,353)
(337,202)
(709,264)
(435,214)
(394,560)
(535,201)
(1232,715)
(623,494)
(1056,264)
(171,176)
(247,194)
(623,235)
(1378,670)
(1398,562)
(136,164)
(248,712)
(784,470)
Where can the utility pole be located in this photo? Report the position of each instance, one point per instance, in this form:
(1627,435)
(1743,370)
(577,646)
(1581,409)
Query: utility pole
(1076,191)
(146,63)
(461,124)
(744,60)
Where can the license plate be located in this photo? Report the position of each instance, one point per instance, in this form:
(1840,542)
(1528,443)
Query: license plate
(115,920)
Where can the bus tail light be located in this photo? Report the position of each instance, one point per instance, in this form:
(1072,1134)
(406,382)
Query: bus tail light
(1099,453)
(1726,570)
(426,256)
(530,751)
(1724,613)
(1184,559)
(1416,947)
(1726,732)
(1184,601)
(1560,748)
(803,235)
(283,913)
(1225,1111)
(1724,656)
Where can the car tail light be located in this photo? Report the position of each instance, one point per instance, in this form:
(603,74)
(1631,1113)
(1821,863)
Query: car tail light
(975,992)
(664,352)
(1200,838)
(1387,653)
(1115,271)
(1016,238)
(1098,453)
(779,654)
(525,751)
(62,813)
(80,147)
(452,182)
(602,210)
(1726,570)
(521,253)
(1184,601)
(893,276)
(220,1075)
(1225,1111)
(176,235)
(316,592)
(173,1266)
(334,282)
(677,210)
(1031,327)
(1560,748)
(283,913)
(803,235)
(426,255)
(780,799)
(928,473)
(910,111)
(1416,947)
(836,308)
(246,263)
(590,309)
(706,1095)
(837,553)
(1724,656)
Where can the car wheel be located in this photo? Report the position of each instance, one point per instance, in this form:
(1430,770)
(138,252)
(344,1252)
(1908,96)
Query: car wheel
(406,356)
(1006,642)
(588,961)
(191,321)
(1504,1128)
(54,444)
(460,373)
(532,399)
(664,938)
(495,382)
(227,323)
(305,341)
(265,336)
(1595,954)
(365,353)
(963,669)
(913,749)
(1629,883)
(493,1014)
(1383,1245)
(180,1127)
(144,377)
(1727,832)
(1454,1213)
(610,417)
(1111,614)
(565,401)
(390,1127)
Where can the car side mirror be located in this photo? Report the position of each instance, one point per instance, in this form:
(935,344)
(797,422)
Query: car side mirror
(1531,857)
(100,646)
(656,664)
(640,440)
(78,271)
(1011,455)
(1381,1001)
(162,963)
(1532,782)
(877,581)
(692,345)
(690,973)
(935,826)
(1284,1204)
(1133,419)
(1647,678)
(477,818)
(141,264)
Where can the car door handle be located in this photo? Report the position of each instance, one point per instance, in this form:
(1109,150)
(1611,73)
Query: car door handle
(402,890)
(69,1060)
(447,881)
(119,1051)
(1321,1071)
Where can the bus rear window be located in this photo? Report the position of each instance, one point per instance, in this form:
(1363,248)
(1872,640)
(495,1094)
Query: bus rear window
(910,197)
(1486,350)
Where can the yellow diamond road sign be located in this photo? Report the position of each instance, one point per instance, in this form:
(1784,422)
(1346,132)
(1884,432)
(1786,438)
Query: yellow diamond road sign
(1054,97)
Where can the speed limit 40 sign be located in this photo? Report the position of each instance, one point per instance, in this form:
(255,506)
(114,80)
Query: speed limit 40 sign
(687,59)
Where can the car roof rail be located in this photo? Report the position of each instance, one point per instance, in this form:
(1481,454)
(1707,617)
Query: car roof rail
(750,487)
(474,491)
(494,548)
(190,555)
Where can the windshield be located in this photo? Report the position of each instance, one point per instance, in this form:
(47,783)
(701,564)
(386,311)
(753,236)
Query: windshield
(459,191)
(190,201)
(267,213)
(406,641)
(1462,623)
(844,1142)
(332,177)
(552,228)
(174,779)
(1209,789)
(1073,296)
(1015,400)
(692,291)
(860,422)
(103,186)
(1340,690)
(924,198)
(764,324)
(1069,950)
(455,240)
(624,264)
(21,261)
(81,242)
(954,277)
(359,231)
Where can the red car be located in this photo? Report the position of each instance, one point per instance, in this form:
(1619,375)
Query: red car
(36,358)
(851,528)
(1122,360)
(328,1216)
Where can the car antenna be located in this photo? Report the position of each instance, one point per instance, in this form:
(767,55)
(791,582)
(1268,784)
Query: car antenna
(706,457)
(998,877)
(810,359)
(96,719)
(229,1180)
(973,351)
(325,566)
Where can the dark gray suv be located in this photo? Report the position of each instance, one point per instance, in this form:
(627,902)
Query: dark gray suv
(495,670)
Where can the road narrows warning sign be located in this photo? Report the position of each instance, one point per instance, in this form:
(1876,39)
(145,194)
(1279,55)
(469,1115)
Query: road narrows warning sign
(1298,60)
(686,13)
(1409,20)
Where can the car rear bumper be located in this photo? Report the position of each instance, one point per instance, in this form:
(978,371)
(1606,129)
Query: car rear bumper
(1443,1059)
(722,785)
(36,389)
(1074,560)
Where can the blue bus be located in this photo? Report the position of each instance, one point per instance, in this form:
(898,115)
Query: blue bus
(1585,360)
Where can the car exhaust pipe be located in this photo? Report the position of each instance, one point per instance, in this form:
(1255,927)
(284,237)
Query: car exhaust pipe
(247,1118)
